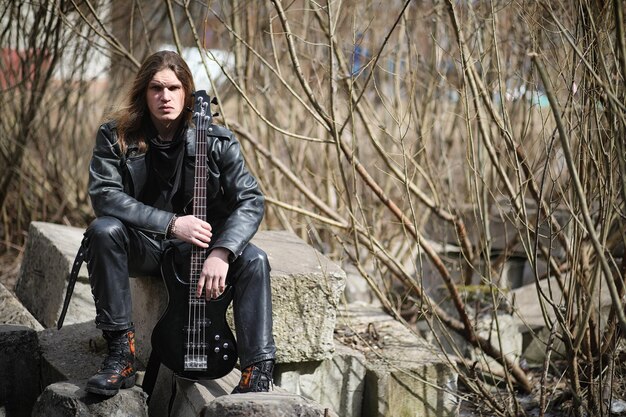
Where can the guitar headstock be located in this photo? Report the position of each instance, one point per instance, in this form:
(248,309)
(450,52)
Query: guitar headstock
(202,114)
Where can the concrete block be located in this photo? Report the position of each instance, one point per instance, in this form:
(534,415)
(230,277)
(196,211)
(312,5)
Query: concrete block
(406,376)
(73,353)
(13,312)
(504,334)
(357,289)
(272,404)
(69,399)
(529,316)
(19,370)
(306,287)
(336,383)
(42,280)
(149,297)
(212,398)
(191,397)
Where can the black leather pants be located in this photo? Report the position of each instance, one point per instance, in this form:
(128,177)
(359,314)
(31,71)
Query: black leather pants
(115,251)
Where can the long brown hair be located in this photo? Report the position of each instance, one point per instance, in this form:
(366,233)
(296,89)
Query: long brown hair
(133,116)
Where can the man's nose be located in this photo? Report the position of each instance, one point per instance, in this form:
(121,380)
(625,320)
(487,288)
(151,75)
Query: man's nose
(166,96)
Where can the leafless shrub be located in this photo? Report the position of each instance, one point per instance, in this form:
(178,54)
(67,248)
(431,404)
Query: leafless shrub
(385,135)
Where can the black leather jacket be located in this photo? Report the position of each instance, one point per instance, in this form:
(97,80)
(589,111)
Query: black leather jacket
(235,205)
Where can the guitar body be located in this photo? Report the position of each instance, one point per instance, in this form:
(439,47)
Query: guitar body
(192,338)
(196,346)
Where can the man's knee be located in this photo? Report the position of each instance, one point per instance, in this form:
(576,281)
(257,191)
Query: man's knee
(256,256)
(105,229)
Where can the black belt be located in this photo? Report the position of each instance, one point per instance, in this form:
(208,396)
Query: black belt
(78,261)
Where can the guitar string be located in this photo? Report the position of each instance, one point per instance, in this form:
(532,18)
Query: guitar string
(193,336)
(199,180)
(192,286)
(202,209)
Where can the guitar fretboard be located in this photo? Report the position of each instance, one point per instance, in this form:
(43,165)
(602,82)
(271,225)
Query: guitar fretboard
(196,358)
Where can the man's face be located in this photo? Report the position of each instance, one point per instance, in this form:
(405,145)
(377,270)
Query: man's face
(165,97)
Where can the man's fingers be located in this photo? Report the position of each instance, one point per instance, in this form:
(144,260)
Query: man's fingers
(212,287)
(200,287)
(200,243)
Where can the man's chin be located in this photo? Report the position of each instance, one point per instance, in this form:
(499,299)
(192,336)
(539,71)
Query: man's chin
(166,119)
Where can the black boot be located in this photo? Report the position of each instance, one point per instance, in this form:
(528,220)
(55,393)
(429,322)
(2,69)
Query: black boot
(257,377)
(118,369)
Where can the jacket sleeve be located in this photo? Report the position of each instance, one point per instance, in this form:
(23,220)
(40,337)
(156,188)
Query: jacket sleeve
(109,196)
(241,194)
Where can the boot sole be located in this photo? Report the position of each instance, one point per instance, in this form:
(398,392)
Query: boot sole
(128,383)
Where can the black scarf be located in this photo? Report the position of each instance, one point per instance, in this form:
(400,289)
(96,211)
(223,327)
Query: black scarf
(165,186)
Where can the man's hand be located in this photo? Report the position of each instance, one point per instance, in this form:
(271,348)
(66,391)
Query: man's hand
(213,275)
(192,230)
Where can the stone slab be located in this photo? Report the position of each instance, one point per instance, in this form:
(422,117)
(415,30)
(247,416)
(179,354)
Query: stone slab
(503,225)
(19,370)
(209,397)
(191,397)
(306,288)
(406,376)
(73,353)
(272,404)
(64,399)
(530,319)
(336,383)
(12,311)
(212,398)
(149,302)
(42,280)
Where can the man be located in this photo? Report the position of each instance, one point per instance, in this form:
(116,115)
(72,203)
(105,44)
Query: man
(141,188)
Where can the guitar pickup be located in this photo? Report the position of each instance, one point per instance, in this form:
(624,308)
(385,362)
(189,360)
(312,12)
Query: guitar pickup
(196,345)
(198,326)
(195,362)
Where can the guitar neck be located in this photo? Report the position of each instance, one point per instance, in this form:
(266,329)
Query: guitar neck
(202,121)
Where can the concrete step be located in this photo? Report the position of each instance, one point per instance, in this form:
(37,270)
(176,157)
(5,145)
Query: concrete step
(272,404)
(405,375)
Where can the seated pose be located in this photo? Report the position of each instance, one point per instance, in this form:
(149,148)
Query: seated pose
(141,182)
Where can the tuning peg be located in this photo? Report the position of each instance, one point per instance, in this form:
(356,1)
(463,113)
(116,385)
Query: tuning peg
(214,100)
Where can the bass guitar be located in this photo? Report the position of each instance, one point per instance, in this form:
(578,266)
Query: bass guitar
(192,337)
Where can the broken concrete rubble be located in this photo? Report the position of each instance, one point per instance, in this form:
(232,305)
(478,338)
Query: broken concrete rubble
(69,399)
(19,374)
(314,373)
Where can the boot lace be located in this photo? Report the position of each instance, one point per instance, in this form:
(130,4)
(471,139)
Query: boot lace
(117,359)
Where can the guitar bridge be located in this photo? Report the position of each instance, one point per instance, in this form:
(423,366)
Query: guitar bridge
(195,362)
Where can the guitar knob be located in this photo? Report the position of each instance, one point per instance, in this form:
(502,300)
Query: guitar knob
(217,349)
(217,337)
(225,357)
(226,345)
